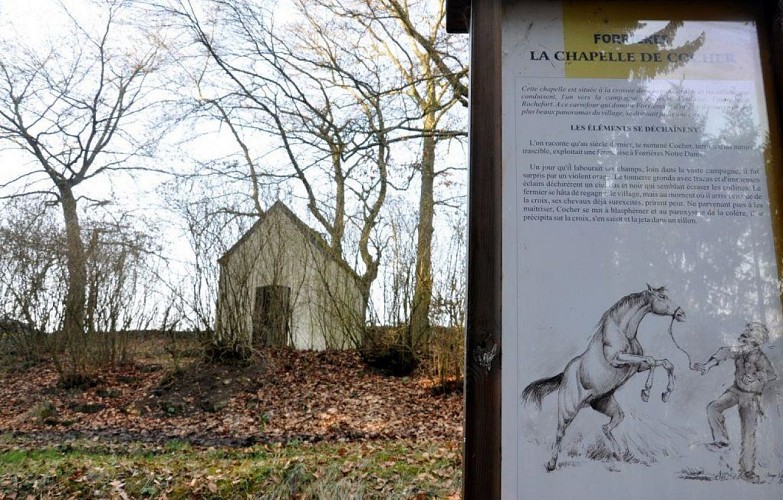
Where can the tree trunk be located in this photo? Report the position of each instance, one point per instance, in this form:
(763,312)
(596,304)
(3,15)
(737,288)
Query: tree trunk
(364,290)
(422,293)
(92,296)
(73,318)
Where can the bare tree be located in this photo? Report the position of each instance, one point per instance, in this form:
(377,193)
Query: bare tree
(120,287)
(342,95)
(412,36)
(210,226)
(399,266)
(122,264)
(447,350)
(316,93)
(74,108)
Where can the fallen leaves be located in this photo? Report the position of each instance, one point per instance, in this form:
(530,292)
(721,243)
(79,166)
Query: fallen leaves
(300,395)
(350,428)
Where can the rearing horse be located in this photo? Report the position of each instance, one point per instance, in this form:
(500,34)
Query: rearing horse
(612,357)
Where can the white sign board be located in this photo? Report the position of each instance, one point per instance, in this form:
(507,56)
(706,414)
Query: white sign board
(639,224)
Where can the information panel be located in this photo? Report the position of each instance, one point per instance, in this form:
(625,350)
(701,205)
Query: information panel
(642,350)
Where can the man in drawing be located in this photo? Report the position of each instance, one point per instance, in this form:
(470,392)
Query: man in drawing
(752,371)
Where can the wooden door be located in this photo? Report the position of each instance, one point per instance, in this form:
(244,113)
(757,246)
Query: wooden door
(272,315)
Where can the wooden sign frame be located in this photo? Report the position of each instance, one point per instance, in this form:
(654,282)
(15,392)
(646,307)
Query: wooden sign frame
(482,20)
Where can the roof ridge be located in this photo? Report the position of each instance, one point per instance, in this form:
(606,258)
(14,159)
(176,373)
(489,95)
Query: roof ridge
(310,233)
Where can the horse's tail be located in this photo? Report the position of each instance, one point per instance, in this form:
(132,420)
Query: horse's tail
(537,390)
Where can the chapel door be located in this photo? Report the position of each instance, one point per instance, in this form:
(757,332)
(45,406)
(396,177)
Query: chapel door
(272,316)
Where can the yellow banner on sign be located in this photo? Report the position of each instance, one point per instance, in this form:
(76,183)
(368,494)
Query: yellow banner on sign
(638,41)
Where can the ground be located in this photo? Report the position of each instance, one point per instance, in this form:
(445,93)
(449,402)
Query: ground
(287,407)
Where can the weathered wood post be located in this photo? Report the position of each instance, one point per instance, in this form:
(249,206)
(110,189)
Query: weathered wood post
(482,373)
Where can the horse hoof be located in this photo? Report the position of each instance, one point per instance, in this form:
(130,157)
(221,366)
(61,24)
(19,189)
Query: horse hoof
(645,396)
(550,466)
(665,396)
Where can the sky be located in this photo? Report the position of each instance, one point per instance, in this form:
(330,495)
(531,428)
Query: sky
(38,22)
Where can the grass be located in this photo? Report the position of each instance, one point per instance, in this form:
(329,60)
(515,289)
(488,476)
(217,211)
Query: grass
(383,469)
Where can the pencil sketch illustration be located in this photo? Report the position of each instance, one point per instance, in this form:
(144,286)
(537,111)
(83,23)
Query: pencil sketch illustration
(612,357)
(752,372)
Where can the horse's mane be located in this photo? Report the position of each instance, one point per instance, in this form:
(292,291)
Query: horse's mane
(627,301)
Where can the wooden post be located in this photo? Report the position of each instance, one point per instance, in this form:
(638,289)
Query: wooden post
(481,480)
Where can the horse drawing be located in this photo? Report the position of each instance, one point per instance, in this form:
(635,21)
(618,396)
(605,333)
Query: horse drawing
(612,357)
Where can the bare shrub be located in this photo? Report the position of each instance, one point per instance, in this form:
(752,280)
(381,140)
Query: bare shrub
(386,350)
(32,274)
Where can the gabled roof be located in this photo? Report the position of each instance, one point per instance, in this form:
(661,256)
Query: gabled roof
(309,233)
